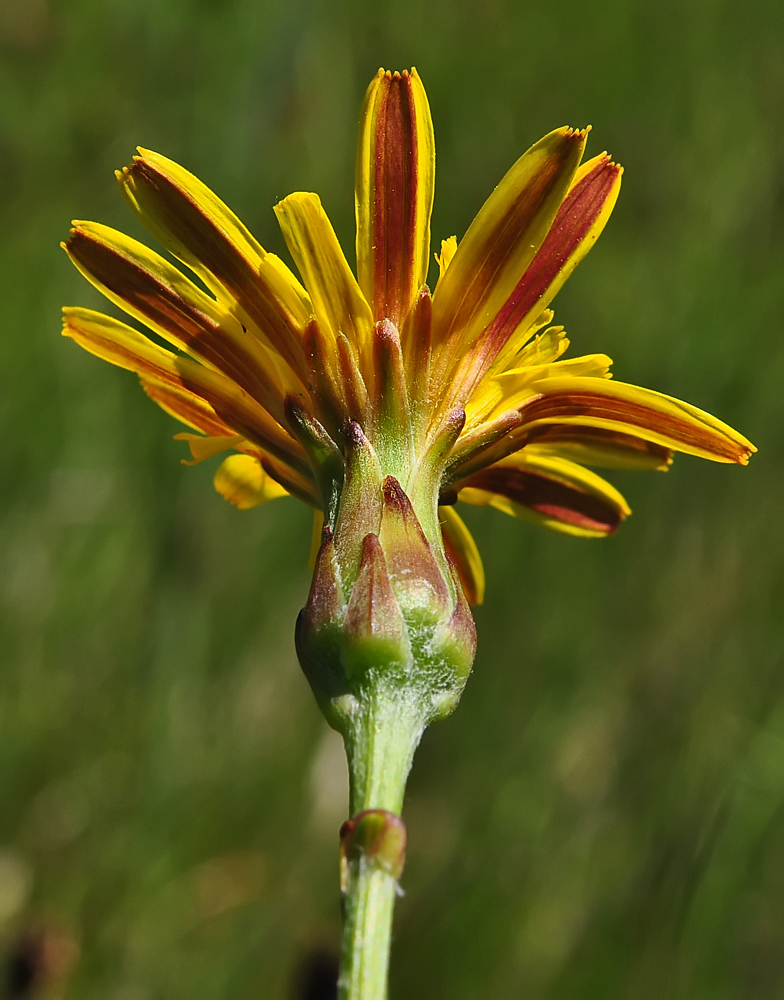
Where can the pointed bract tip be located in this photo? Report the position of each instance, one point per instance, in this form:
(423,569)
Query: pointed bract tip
(416,576)
(386,330)
(371,548)
(293,406)
(373,615)
(452,427)
(462,624)
(312,328)
(394,494)
(325,602)
(355,436)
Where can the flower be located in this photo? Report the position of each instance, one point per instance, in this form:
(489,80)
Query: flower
(462,396)
(382,406)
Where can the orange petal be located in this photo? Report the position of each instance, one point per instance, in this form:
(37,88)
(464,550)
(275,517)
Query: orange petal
(630,409)
(575,229)
(611,406)
(186,406)
(599,448)
(203,448)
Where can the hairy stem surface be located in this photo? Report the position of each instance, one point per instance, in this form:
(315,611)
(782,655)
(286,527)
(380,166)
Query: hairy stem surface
(380,747)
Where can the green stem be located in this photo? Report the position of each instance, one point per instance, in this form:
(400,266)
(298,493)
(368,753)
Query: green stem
(380,747)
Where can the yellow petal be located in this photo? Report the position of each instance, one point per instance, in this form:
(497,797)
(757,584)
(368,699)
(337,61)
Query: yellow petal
(203,447)
(194,225)
(448,249)
(600,448)
(394,193)
(242,481)
(614,407)
(576,227)
(185,406)
(461,547)
(123,346)
(630,409)
(521,350)
(573,231)
(337,299)
(151,290)
(508,390)
(549,491)
(502,240)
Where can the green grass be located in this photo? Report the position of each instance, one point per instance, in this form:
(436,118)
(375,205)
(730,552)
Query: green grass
(602,817)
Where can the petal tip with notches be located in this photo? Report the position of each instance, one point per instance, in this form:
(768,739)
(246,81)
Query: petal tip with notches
(395,177)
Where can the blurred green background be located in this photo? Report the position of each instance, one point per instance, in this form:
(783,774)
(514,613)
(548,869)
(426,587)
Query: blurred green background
(604,814)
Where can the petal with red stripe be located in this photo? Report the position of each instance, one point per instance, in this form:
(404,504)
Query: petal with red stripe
(192,223)
(123,346)
(394,193)
(503,239)
(550,491)
(462,551)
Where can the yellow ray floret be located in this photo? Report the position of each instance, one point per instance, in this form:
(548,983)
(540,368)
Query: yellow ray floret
(123,346)
(243,482)
(502,240)
(337,299)
(461,547)
(395,175)
(551,491)
(462,395)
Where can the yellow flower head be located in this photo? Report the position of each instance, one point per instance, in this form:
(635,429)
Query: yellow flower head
(459,396)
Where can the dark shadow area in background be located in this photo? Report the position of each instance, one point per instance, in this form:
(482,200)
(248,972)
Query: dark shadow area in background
(22,969)
(317,978)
